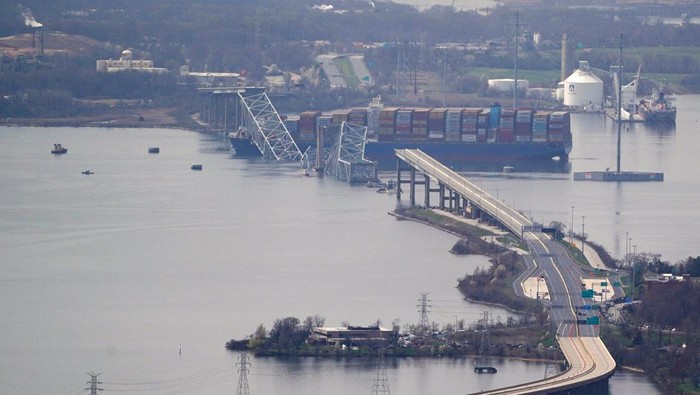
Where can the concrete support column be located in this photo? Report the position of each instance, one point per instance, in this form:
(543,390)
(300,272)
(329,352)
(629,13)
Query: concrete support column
(426,183)
(412,193)
(398,179)
(441,189)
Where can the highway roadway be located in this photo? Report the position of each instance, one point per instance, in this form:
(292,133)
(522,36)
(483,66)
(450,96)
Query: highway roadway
(588,358)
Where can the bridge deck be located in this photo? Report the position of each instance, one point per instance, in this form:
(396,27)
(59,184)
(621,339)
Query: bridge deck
(505,214)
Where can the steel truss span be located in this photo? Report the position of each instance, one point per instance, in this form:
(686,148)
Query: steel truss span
(346,160)
(268,132)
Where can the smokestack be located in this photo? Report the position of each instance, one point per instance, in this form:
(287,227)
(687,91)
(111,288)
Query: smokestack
(37,28)
(567,57)
(564,45)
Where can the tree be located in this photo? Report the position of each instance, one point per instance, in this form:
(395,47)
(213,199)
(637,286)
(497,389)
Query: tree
(312,322)
(286,333)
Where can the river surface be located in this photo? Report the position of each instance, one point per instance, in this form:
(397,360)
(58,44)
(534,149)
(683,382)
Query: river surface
(143,270)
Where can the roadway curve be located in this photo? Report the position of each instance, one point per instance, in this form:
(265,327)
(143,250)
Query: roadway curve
(588,358)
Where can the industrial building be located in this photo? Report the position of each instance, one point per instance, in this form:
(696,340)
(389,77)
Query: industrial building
(351,335)
(127,62)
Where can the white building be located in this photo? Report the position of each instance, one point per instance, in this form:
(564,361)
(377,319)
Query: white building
(583,89)
(126,62)
(507,85)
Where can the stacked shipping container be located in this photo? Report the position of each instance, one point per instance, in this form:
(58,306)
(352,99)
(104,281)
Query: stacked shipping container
(436,124)
(523,126)
(358,116)
(506,127)
(540,124)
(470,121)
(453,125)
(419,127)
(403,124)
(468,125)
(559,126)
(482,126)
(387,124)
(307,126)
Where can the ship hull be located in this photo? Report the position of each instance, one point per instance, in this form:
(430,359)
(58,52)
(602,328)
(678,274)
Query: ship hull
(460,152)
(658,116)
(442,151)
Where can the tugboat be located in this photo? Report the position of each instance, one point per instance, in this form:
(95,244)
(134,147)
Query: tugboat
(58,149)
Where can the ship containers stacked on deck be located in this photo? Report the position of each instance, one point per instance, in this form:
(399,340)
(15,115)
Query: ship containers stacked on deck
(292,126)
(358,116)
(387,124)
(340,117)
(540,122)
(482,126)
(453,125)
(559,128)
(436,124)
(419,127)
(523,126)
(506,127)
(470,121)
(307,126)
(404,117)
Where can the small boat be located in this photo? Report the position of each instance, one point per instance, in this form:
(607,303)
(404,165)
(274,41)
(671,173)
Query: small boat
(154,150)
(382,190)
(485,369)
(88,172)
(58,149)
(196,167)
(305,173)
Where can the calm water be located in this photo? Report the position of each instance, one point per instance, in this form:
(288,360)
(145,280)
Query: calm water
(113,272)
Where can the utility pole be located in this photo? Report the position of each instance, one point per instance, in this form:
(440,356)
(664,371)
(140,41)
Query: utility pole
(634,265)
(444,78)
(551,369)
(423,307)
(515,63)
(583,234)
(381,380)
(243,365)
(571,229)
(93,383)
(619,110)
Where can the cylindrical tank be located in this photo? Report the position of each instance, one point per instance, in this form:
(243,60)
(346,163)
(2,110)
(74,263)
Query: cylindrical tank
(583,89)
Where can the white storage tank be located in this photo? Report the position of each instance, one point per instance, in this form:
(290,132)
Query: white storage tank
(583,89)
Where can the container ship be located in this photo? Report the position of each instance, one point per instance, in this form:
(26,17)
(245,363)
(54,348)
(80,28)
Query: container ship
(447,134)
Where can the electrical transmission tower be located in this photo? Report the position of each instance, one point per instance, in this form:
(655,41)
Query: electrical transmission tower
(381,380)
(423,307)
(93,383)
(243,365)
(551,369)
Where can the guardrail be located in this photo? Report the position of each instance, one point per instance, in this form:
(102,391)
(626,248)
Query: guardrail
(507,215)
